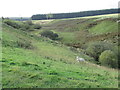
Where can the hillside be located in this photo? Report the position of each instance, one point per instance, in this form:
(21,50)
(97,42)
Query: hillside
(31,61)
(72,30)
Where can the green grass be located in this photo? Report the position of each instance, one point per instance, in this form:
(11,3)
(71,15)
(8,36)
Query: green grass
(49,64)
(26,69)
(104,27)
(68,37)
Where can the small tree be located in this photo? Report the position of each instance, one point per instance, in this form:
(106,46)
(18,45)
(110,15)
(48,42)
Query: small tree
(95,49)
(108,58)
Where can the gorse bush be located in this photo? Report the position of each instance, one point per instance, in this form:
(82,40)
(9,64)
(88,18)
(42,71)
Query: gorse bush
(108,58)
(50,35)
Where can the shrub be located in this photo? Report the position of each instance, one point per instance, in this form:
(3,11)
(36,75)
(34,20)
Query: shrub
(116,50)
(12,23)
(37,26)
(50,35)
(108,58)
(29,26)
(96,48)
(25,27)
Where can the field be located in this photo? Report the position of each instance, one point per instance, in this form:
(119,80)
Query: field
(32,61)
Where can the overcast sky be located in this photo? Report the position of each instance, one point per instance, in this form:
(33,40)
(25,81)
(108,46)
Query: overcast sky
(26,8)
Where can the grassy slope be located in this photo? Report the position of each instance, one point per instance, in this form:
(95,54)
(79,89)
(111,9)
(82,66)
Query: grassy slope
(48,64)
(104,27)
(64,27)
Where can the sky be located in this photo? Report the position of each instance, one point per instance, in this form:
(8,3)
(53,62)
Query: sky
(27,8)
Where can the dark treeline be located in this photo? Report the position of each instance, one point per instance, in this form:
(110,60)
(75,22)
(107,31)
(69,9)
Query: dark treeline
(74,15)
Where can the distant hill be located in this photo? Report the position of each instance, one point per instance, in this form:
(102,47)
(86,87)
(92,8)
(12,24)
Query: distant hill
(20,18)
(74,14)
